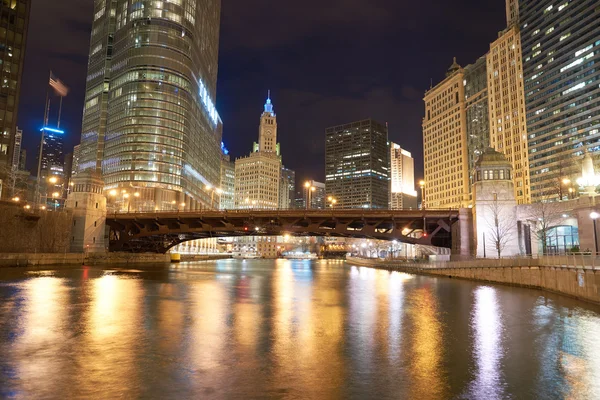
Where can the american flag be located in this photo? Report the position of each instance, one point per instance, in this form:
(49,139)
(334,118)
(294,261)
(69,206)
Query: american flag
(58,86)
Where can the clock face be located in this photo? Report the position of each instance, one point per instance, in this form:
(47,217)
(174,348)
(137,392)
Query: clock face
(268,132)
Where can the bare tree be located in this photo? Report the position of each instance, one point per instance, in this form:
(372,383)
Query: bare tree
(545,216)
(14,182)
(501,223)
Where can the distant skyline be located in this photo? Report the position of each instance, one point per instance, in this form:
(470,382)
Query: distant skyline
(324,64)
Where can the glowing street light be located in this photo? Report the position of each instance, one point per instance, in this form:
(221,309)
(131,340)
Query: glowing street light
(16,199)
(27,207)
(112,193)
(53,179)
(422,185)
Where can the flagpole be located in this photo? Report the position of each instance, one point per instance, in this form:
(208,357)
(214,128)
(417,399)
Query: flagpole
(59,112)
(37,196)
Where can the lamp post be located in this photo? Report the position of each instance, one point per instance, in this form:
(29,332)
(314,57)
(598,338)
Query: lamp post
(126,196)
(332,201)
(55,197)
(309,189)
(422,185)
(594,216)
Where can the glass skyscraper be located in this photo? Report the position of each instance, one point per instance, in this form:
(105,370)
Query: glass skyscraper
(150,124)
(357,164)
(561,54)
(14,19)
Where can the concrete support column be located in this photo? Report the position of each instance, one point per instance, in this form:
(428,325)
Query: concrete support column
(462,235)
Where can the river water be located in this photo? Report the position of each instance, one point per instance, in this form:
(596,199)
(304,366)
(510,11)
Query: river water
(288,330)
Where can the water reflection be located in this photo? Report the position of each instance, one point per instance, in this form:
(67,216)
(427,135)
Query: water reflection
(287,329)
(427,346)
(487,326)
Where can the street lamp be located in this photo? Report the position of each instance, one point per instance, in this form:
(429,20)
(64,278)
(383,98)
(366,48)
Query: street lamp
(422,185)
(55,197)
(16,199)
(594,216)
(126,196)
(53,179)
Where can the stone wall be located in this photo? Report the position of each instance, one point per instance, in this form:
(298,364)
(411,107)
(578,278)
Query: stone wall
(579,282)
(25,231)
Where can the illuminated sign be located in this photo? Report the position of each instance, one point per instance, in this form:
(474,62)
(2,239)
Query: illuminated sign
(52,130)
(209,106)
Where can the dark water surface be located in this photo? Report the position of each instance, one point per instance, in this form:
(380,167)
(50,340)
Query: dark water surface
(288,330)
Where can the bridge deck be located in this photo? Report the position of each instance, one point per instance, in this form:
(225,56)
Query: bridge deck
(159,231)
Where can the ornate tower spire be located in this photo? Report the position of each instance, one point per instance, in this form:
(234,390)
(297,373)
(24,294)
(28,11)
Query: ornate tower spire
(268,104)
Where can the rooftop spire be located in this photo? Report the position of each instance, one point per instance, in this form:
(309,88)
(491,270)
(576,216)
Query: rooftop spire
(268,104)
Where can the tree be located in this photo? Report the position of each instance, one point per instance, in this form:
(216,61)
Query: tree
(545,216)
(502,224)
(14,182)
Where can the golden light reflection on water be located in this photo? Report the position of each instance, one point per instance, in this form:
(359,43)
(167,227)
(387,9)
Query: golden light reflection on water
(427,346)
(43,328)
(113,338)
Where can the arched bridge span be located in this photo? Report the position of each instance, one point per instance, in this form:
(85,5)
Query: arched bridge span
(158,232)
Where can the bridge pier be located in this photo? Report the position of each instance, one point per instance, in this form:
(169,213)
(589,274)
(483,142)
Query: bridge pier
(463,244)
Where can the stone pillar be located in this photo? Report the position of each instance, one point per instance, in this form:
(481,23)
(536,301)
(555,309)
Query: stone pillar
(89,214)
(462,234)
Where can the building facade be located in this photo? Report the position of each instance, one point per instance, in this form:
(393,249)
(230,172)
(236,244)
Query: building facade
(287,189)
(402,179)
(445,146)
(52,161)
(476,108)
(14,16)
(315,194)
(357,164)
(508,125)
(227,183)
(257,176)
(561,51)
(149,123)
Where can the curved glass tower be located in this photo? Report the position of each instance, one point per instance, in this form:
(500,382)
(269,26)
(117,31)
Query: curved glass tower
(150,124)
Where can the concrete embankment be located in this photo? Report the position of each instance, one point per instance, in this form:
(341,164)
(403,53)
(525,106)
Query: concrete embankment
(580,282)
(48,259)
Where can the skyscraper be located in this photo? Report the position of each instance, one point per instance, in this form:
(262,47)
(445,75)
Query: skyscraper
(315,195)
(508,126)
(357,164)
(476,109)
(227,182)
(287,189)
(52,161)
(561,53)
(150,122)
(445,145)
(402,179)
(257,176)
(13,37)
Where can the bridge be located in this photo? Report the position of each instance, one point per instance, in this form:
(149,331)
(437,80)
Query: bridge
(159,231)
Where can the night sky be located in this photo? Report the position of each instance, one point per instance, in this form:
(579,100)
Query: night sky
(326,62)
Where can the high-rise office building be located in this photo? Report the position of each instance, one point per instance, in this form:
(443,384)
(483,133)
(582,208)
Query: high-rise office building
(315,195)
(508,125)
(257,176)
(150,122)
(227,182)
(52,162)
(561,53)
(402,179)
(287,189)
(445,145)
(476,109)
(357,164)
(14,15)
